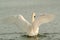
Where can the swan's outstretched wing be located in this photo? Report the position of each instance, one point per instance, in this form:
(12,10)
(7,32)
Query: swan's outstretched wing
(44,18)
(22,19)
(25,23)
(13,19)
(17,20)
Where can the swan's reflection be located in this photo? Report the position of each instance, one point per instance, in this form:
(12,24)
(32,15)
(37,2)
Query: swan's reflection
(35,38)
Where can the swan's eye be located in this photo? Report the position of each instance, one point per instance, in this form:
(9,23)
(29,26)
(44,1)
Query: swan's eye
(34,16)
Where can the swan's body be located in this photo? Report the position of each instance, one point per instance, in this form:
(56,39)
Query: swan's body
(33,28)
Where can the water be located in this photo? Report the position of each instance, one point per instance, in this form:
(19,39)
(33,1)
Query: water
(10,8)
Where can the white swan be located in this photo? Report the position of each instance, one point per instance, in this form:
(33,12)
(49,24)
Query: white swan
(33,28)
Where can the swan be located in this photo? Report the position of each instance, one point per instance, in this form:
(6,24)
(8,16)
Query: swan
(33,27)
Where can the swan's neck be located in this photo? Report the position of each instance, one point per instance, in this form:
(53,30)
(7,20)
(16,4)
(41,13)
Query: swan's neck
(33,17)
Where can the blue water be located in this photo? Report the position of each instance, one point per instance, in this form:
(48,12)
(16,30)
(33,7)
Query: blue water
(10,8)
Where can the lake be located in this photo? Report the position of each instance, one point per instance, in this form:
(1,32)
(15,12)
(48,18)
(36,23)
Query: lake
(13,8)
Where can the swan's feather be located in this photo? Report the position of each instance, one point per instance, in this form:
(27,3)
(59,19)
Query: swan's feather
(23,19)
(13,19)
(44,18)
(17,20)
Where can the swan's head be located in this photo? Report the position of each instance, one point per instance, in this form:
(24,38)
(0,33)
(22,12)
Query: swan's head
(33,17)
(33,14)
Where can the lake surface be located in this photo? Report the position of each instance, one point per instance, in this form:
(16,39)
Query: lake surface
(13,8)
